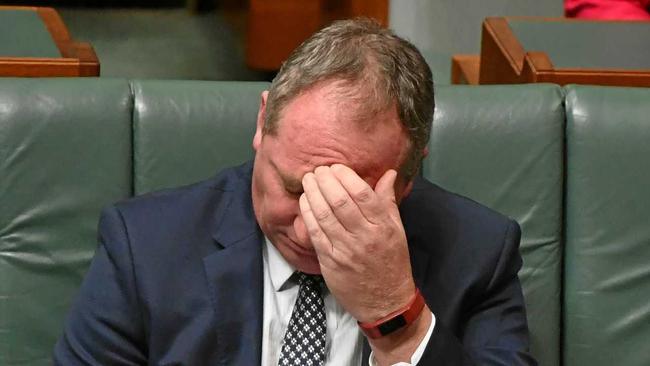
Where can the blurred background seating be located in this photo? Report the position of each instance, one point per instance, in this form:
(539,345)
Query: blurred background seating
(577,149)
(206,39)
(562,51)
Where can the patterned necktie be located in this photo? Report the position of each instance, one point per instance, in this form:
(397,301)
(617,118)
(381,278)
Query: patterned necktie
(304,342)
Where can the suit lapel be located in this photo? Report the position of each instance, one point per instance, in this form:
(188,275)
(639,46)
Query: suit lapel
(236,281)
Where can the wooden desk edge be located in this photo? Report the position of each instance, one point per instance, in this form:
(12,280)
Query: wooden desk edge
(465,69)
(78,58)
(611,77)
(502,56)
(42,67)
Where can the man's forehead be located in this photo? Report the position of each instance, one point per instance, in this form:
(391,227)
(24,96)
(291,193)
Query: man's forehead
(317,130)
(292,171)
(367,155)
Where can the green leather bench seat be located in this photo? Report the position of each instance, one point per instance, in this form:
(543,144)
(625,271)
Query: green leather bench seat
(65,151)
(607,268)
(503,146)
(187,131)
(70,146)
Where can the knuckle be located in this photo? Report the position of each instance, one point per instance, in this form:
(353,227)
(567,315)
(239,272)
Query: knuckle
(340,203)
(322,215)
(363,195)
(314,233)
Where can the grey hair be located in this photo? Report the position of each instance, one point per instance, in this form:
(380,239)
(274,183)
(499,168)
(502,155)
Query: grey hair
(385,68)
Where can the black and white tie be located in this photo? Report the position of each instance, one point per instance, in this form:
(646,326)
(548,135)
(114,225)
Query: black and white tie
(304,341)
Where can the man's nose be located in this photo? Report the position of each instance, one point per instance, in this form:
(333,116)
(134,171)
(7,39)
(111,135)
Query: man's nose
(301,230)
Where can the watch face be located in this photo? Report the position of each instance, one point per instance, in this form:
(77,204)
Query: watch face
(392,325)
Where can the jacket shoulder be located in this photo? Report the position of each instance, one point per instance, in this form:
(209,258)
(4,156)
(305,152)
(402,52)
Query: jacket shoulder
(189,213)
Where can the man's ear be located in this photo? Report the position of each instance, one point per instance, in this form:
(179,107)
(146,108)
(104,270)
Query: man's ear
(409,186)
(261,116)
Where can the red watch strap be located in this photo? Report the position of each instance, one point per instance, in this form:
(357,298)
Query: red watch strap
(395,320)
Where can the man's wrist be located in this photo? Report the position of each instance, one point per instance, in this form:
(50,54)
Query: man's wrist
(400,345)
(396,320)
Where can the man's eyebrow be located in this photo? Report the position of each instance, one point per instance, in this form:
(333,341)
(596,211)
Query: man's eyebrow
(291,183)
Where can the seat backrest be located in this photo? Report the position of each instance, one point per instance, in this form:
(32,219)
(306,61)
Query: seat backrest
(71,146)
(65,151)
(607,271)
(503,147)
(186,131)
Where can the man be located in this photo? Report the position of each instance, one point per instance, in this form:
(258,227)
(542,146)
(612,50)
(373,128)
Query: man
(222,272)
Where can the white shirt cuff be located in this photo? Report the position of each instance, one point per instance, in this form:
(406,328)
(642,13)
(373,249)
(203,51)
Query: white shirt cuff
(417,355)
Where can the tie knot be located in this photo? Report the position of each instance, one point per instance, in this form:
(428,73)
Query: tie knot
(309,279)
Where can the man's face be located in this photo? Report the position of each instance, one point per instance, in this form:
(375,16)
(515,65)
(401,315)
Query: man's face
(318,127)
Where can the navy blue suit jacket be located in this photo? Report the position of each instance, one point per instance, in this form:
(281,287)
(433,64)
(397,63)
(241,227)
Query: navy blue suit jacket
(177,280)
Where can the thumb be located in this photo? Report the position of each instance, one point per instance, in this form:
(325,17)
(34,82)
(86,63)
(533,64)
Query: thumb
(385,187)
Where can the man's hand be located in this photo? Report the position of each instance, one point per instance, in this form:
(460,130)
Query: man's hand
(361,247)
(359,239)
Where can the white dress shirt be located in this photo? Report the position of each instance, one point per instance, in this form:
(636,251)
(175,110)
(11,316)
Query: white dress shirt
(344,340)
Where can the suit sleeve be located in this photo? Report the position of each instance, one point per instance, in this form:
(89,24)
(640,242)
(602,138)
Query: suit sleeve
(104,325)
(496,331)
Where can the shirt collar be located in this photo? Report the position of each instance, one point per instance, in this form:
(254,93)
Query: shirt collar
(280,271)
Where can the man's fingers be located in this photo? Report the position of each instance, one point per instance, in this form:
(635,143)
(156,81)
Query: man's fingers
(343,206)
(385,187)
(366,198)
(318,238)
(320,209)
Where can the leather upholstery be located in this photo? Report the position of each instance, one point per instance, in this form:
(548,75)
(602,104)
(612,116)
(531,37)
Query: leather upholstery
(502,146)
(607,267)
(65,152)
(70,146)
(187,131)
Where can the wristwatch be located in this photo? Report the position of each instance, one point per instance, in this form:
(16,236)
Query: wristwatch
(395,320)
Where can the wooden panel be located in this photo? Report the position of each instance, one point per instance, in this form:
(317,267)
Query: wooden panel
(465,69)
(78,59)
(277,27)
(503,60)
(502,57)
(342,9)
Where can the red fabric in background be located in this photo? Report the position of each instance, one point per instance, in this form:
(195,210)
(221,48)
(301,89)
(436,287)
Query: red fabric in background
(608,9)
